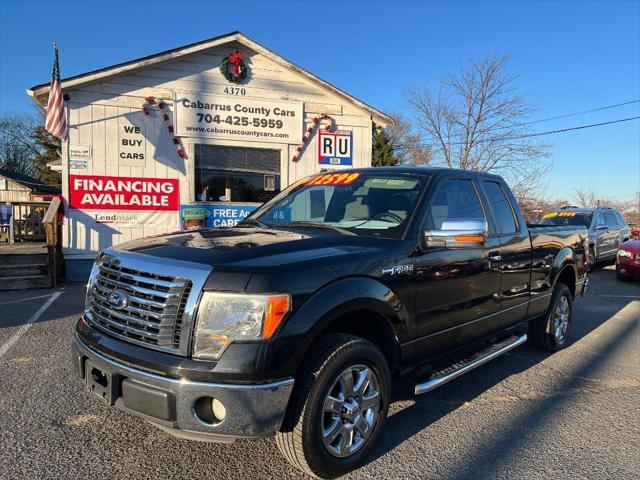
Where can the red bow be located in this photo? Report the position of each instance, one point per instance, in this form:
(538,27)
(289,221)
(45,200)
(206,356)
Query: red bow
(235,59)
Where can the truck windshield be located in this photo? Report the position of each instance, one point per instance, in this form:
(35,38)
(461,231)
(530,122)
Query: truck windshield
(361,203)
(567,218)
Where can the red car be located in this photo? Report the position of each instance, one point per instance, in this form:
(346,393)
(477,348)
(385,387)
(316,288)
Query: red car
(628,259)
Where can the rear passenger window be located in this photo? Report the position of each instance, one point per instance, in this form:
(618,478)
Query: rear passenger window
(501,207)
(611,220)
(454,199)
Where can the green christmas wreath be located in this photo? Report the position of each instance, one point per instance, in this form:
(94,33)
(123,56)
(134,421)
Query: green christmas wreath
(239,70)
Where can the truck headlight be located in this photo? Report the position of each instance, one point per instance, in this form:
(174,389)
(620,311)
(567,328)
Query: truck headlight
(625,254)
(227,317)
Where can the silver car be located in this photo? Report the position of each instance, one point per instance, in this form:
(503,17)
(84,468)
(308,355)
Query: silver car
(607,228)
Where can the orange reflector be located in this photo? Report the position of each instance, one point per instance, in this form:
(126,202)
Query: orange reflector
(470,238)
(277,308)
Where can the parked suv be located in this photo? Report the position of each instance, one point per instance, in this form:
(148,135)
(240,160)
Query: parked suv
(607,228)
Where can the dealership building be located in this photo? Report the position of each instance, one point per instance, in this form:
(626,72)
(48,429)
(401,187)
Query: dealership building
(196,136)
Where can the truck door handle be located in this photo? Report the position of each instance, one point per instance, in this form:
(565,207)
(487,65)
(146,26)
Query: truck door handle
(494,257)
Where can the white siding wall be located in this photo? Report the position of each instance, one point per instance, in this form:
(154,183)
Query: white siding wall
(14,192)
(95,110)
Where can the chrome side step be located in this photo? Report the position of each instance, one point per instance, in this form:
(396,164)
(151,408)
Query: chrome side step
(467,364)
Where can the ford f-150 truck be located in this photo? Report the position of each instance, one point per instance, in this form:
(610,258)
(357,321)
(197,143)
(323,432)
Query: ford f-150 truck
(292,323)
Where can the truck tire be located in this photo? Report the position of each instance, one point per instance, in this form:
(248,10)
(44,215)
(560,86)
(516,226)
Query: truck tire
(331,424)
(550,331)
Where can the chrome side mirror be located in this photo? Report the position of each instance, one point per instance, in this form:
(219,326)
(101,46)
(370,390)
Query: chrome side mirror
(458,233)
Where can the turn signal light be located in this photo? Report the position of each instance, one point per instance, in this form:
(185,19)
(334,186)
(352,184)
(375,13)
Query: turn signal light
(277,308)
(470,238)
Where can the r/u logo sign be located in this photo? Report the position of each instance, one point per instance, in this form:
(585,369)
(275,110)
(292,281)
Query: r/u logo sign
(335,148)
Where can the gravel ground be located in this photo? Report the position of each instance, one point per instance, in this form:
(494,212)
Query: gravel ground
(527,415)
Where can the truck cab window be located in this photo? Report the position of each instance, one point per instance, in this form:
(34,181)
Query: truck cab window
(502,210)
(600,221)
(454,199)
(611,220)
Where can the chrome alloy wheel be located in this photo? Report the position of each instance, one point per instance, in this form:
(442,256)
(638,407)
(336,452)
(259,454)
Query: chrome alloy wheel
(350,411)
(561,318)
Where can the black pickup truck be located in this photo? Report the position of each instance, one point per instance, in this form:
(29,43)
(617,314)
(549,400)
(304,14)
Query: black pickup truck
(293,322)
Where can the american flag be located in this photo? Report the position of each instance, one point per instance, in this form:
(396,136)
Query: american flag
(56,123)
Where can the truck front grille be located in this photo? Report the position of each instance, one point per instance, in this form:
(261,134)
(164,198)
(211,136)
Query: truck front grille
(139,305)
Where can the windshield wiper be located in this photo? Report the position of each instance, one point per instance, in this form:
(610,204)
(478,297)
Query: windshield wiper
(252,221)
(324,226)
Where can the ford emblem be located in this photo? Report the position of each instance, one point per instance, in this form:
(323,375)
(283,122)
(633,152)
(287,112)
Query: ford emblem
(118,299)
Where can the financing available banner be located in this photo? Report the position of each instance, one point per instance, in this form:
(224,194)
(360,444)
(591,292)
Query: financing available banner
(124,201)
(95,192)
(219,116)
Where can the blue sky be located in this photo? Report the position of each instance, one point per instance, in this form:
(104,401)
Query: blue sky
(573,56)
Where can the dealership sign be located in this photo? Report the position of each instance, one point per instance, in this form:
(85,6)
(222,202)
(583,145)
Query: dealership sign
(92,192)
(213,216)
(335,148)
(216,116)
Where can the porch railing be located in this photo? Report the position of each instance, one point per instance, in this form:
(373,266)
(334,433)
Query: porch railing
(51,223)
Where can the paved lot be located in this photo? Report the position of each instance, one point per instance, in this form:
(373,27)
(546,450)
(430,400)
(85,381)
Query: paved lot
(527,415)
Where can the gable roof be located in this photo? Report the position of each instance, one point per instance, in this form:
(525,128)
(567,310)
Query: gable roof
(29,182)
(121,68)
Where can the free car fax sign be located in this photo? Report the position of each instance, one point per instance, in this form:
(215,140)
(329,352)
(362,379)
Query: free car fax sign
(335,148)
(238,118)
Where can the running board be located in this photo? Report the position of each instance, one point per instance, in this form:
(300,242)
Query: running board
(469,363)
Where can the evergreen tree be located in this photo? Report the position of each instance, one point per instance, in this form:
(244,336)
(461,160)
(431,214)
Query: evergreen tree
(49,147)
(382,152)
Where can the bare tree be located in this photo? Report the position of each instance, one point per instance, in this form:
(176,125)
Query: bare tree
(18,147)
(533,208)
(585,197)
(406,142)
(475,120)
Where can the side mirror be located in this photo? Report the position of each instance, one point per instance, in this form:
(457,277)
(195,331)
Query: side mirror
(458,233)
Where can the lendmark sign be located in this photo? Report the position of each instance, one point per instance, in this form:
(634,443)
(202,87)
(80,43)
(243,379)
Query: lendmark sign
(89,192)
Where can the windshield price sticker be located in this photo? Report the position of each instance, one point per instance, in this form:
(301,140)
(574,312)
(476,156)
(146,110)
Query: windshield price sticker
(334,179)
(561,214)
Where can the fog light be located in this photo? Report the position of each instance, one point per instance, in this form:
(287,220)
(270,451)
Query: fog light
(218,409)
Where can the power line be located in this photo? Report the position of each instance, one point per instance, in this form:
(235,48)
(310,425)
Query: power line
(528,135)
(566,115)
(597,109)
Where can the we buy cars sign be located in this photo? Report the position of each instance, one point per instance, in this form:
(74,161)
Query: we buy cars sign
(93,192)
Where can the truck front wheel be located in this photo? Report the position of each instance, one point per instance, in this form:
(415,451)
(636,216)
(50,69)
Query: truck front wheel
(550,331)
(339,404)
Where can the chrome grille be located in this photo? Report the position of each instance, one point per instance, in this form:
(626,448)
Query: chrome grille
(157,308)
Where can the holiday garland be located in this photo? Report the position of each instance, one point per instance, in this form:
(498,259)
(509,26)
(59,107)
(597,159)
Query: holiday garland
(310,131)
(149,101)
(240,70)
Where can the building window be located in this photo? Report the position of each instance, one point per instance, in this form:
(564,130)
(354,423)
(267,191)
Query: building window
(236,174)
(3,184)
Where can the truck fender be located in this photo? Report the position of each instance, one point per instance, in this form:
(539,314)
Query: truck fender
(565,258)
(348,295)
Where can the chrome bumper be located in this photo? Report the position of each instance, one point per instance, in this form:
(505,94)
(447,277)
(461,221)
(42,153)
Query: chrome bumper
(252,410)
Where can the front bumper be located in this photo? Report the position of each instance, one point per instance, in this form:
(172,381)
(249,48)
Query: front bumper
(628,268)
(180,406)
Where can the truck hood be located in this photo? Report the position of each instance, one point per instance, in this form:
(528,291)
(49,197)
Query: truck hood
(255,247)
